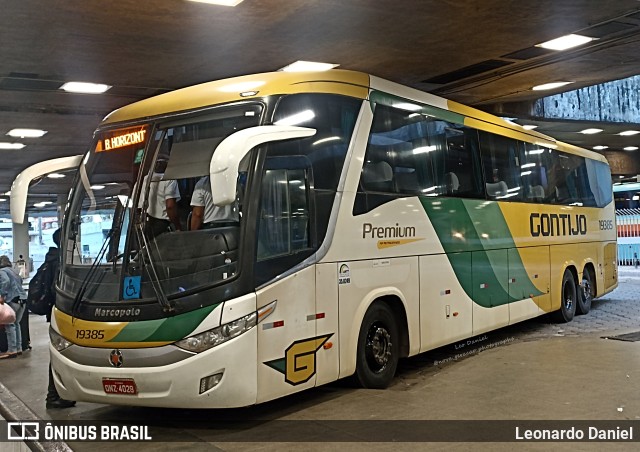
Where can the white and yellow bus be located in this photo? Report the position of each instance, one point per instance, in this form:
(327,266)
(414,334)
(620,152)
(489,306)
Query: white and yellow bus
(366,221)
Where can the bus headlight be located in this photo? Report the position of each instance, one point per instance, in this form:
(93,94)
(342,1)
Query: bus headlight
(58,342)
(216,336)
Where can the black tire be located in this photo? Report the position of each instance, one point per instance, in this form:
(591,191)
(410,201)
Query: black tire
(378,347)
(586,292)
(569,294)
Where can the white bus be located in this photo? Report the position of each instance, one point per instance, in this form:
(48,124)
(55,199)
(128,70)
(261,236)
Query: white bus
(366,221)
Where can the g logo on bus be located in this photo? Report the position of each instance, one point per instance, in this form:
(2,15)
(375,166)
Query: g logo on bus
(299,362)
(115,358)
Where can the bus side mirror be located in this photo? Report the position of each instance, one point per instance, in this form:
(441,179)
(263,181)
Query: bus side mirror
(20,186)
(225,161)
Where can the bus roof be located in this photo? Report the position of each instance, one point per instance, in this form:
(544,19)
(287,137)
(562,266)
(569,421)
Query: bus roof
(348,83)
(336,81)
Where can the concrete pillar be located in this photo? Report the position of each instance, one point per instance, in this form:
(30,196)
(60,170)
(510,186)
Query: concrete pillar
(21,240)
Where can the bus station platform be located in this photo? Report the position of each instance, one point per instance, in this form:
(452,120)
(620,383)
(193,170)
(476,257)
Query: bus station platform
(537,370)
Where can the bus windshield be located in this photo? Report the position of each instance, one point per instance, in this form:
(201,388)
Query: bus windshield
(142,223)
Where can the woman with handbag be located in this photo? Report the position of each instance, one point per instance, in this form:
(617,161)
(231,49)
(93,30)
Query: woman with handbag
(12,293)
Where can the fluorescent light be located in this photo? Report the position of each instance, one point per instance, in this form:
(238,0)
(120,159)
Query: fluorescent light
(219,2)
(565,42)
(303,66)
(529,127)
(551,85)
(11,145)
(527,165)
(3,200)
(631,148)
(525,173)
(326,140)
(424,149)
(628,133)
(26,133)
(590,131)
(56,176)
(85,88)
(407,106)
(534,152)
(600,148)
(97,187)
(296,119)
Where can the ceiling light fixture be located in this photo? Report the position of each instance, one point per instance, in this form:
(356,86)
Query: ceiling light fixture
(56,176)
(628,133)
(26,133)
(219,2)
(304,66)
(565,42)
(590,131)
(631,148)
(11,146)
(529,127)
(85,88)
(550,85)
(600,148)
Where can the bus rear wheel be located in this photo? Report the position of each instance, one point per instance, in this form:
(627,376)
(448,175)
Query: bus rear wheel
(569,299)
(585,293)
(378,347)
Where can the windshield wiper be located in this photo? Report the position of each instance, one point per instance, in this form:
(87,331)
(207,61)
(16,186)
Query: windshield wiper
(90,274)
(155,281)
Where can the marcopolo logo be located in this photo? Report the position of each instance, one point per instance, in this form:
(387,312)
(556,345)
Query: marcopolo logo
(390,235)
(551,224)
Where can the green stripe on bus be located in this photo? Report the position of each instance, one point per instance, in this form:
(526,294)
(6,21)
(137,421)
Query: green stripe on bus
(379,97)
(165,330)
(479,228)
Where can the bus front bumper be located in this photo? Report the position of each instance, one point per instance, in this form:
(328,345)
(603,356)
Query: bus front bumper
(176,385)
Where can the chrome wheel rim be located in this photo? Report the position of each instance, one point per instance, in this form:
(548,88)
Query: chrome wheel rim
(378,347)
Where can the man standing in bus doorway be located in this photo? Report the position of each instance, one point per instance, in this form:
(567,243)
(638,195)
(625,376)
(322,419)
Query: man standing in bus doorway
(162,209)
(52,260)
(12,293)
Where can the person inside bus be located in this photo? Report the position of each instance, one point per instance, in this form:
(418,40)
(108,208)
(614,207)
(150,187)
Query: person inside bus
(162,210)
(205,214)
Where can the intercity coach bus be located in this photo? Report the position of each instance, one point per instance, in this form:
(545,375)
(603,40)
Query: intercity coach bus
(366,221)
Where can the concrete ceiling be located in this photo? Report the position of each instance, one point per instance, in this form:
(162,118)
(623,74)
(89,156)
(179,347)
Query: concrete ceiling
(478,52)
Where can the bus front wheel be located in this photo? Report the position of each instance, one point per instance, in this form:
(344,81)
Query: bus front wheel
(585,293)
(569,298)
(378,347)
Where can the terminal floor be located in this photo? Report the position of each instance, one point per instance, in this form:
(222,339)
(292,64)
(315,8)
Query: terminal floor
(536,370)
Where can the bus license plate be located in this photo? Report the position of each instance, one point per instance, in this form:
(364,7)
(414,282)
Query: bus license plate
(122,386)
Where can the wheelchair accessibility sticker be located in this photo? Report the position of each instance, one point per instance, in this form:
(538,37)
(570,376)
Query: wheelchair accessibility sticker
(131,287)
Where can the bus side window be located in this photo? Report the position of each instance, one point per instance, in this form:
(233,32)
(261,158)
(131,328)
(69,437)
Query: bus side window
(284,213)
